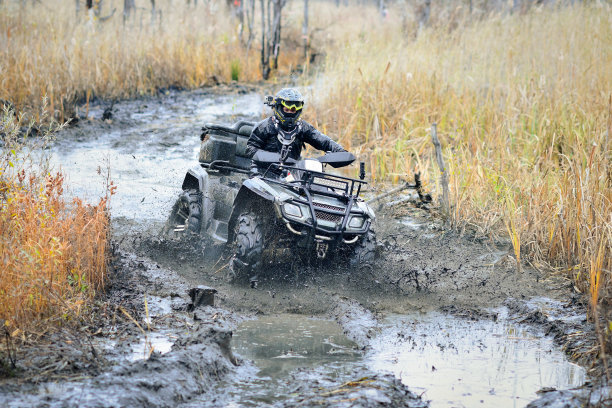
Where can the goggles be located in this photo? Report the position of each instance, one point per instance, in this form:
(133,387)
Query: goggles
(291,106)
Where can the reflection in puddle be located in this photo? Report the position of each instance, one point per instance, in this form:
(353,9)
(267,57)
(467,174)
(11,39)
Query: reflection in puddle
(451,361)
(280,344)
(464,363)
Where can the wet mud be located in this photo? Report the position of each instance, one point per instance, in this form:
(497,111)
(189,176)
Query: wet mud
(157,340)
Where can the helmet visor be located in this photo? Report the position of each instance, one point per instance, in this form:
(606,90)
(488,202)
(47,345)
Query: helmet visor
(291,106)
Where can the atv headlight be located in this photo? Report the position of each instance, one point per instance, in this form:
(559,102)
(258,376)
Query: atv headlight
(356,222)
(292,210)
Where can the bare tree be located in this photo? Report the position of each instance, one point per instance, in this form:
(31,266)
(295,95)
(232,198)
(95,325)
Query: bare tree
(276,31)
(153,12)
(305,30)
(249,12)
(265,55)
(128,7)
(271,12)
(423,13)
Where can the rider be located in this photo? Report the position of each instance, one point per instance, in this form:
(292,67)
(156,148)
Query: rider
(285,132)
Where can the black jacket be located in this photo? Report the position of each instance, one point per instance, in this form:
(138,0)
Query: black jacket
(265,137)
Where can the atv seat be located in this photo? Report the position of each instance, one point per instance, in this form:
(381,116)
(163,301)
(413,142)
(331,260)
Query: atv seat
(226,143)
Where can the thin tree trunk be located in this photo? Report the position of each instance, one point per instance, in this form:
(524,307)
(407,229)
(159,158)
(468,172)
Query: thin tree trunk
(128,6)
(276,33)
(424,14)
(305,31)
(152,12)
(250,16)
(444,202)
(265,60)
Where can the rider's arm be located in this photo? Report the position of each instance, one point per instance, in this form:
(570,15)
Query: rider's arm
(257,140)
(318,140)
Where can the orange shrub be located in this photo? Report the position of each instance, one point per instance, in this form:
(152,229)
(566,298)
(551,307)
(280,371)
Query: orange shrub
(54,254)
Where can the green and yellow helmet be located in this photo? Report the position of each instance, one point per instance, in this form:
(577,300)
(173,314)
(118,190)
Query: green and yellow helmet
(288,104)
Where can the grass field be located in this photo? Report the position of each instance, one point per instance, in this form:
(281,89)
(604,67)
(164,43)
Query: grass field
(523,108)
(50,51)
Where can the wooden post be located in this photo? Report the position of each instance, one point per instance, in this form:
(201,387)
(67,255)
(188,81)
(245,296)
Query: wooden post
(444,203)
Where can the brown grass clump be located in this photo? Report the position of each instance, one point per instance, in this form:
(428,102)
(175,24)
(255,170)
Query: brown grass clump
(522,104)
(54,253)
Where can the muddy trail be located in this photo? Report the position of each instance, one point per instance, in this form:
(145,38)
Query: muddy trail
(442,319)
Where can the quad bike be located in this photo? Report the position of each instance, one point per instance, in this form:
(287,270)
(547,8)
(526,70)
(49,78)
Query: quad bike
(267,208)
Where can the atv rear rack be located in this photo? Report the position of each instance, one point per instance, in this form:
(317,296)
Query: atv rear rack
(224,165)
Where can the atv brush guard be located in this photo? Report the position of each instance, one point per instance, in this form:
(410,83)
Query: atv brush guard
(310,185)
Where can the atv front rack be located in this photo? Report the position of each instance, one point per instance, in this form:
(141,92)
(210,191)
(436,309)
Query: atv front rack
(340,185)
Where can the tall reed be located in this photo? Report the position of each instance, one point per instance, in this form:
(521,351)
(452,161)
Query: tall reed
(522,104)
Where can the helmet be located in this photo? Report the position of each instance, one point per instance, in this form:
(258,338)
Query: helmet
(288,104)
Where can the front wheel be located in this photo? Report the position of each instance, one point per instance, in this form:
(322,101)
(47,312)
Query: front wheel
(364,251)
(248,245)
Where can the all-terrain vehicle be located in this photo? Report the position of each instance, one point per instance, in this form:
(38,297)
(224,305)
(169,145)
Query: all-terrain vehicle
(267,208)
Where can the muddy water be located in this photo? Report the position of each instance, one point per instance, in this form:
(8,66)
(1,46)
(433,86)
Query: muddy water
(465,363)
(148,147)
(450,361)
(281,344)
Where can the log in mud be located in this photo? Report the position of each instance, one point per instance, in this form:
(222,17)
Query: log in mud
(441,319)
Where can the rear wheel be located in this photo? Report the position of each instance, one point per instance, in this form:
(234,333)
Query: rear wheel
(248,245)
(186,215)
(363,253)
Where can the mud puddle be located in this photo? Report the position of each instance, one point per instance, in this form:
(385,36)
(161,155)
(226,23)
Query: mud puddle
(147,147)
(444,359)
(281,344)
(465,363)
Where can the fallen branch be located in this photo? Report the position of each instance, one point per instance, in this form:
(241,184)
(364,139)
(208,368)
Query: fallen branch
(425,198)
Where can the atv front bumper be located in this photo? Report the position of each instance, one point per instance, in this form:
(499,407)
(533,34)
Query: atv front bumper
(324,222)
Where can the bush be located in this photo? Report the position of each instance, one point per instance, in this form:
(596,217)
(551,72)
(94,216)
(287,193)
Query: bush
(54,251)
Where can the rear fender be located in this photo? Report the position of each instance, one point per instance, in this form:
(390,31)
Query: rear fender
(250,193)
(196,178)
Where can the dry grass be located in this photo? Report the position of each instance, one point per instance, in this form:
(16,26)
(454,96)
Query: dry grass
(522,104)
(50,51)
(54,253)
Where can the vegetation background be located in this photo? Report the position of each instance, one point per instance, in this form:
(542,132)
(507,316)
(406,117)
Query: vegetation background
(520,92)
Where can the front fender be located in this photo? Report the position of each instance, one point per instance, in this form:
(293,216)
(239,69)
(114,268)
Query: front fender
(252,191)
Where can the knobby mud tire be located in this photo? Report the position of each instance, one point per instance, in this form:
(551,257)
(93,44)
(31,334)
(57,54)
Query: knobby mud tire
(363,253)
(186,211)
(248,245)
